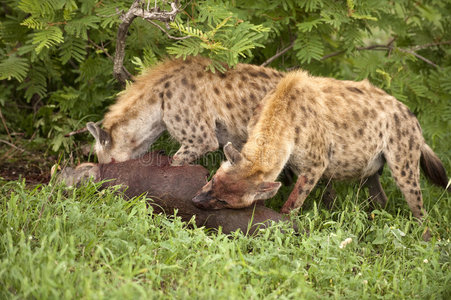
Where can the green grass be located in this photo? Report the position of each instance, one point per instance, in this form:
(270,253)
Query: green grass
(81,243)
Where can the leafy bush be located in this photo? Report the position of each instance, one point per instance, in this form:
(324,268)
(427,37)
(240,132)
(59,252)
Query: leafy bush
(56,55)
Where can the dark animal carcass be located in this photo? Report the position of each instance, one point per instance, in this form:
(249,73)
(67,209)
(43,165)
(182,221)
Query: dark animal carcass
(172,188)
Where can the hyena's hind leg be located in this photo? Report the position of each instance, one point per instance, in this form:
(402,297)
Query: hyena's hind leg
(376,191)
(377,194)
(404,166)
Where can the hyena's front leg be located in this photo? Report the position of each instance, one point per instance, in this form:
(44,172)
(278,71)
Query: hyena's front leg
(194,144)
(307,179)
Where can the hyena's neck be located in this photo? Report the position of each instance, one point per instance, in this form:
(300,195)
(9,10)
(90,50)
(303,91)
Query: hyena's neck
(270,142)
(138,128)
(266,157)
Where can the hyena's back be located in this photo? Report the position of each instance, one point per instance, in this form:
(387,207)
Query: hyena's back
(359,123)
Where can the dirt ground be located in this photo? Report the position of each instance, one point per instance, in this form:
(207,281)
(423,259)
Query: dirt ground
(17,164)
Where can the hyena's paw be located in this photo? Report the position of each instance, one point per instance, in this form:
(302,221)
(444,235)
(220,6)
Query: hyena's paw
(187,154)
(183,159)
(177,162)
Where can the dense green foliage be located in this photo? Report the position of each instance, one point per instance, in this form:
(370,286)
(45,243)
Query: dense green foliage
(83,244)
(56,55)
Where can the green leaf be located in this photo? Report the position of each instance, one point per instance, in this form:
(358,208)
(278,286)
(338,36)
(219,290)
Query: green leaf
(73,48)
(32,23)
(307,26)
(308,47)
(80,27)
(47,38)
(14,67)
(36,84)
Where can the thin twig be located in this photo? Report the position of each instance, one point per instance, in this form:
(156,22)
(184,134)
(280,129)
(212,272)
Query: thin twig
(277,55)
(167,33)
(332,54)
(420,47)
(389,46)
(418,56)
(4,125)
(7,154)
(101,48)
(81,130)
(12,145)
(110,57)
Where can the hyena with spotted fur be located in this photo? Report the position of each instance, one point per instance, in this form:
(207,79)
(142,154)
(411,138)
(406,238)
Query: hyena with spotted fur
(200,109)
(329,128)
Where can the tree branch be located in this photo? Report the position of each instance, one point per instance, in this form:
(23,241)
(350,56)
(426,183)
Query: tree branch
(389,46)
(277,55)
(81,130)
(4,125)
(12,145)
(418,56)
(137,9)
(167,33)
(420,47)
(101,48)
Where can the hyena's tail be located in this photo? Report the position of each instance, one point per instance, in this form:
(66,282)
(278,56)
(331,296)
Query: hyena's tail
(433,167)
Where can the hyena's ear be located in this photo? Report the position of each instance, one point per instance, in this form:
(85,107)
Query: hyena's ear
(232,155)
(266,190)
(102,137)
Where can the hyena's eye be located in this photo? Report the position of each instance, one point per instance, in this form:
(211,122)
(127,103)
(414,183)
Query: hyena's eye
(221,201)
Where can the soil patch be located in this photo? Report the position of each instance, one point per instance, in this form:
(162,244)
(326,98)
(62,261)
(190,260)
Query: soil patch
(34,167)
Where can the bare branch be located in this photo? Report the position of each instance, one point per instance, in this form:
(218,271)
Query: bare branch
(4,125)
(101,48)
(167,33)
(129,75)
(418,56)
(118,70)
(277,55)
(81,130)
(420,47)
(389,47)
(332,54)
(12,145)
(137,9)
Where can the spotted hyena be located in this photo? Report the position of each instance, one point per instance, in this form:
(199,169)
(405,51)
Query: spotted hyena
(200,109)
(329,128)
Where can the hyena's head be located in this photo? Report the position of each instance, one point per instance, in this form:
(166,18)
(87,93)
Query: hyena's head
(104,147)
(104,144)
(230,187)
